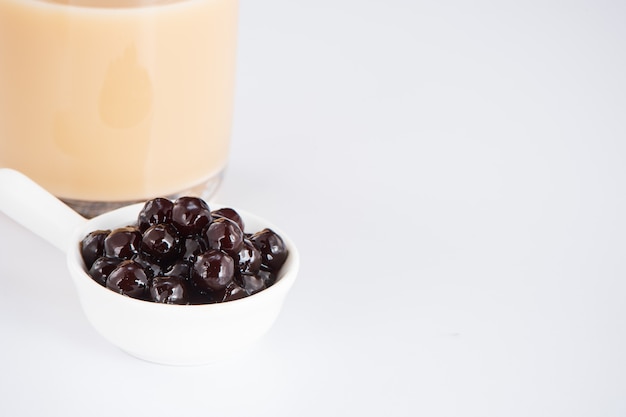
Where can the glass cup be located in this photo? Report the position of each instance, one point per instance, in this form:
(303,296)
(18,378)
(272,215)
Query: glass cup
(109,102)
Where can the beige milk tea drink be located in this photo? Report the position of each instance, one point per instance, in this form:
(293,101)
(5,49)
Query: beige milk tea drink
(108,101)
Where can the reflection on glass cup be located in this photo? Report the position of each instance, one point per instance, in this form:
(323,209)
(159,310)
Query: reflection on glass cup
(106,102)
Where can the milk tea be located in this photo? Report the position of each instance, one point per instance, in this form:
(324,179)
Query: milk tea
(116,100)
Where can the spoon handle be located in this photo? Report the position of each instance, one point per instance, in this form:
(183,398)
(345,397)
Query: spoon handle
(33,207)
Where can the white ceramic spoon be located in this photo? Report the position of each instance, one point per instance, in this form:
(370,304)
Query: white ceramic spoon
(167,334)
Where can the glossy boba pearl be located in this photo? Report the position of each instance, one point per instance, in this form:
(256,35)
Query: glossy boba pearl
(181,269)
(233,292)
(123,242)
(224,234)
(213,270)
(150,266)
(92,246)
(272,248)
(190,215)
(128,278)
(155,211)
(192,246)
(252,283)
(230,214)
(102,267)
(168,290)
(248,259)
(268,277)
(161,242)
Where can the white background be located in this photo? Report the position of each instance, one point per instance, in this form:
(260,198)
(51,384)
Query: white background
(454,176)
